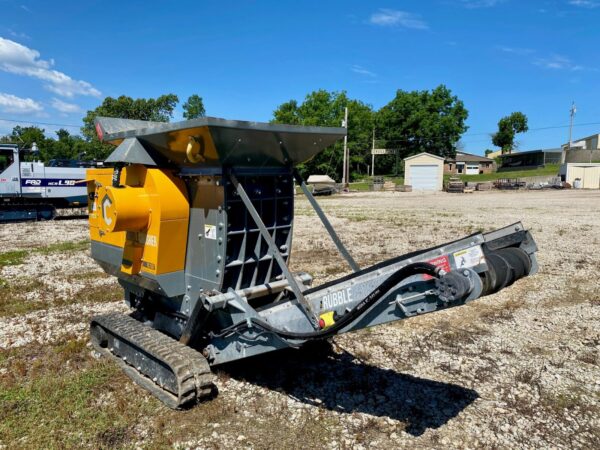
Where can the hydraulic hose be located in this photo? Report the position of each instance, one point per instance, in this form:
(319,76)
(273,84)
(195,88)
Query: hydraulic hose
(377,294)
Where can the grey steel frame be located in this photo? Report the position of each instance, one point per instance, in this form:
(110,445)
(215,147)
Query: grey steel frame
(413,296)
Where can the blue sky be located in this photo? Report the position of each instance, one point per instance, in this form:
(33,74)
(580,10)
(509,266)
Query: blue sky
(58,59)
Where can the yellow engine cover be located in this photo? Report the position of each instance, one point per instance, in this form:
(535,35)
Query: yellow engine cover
(147,216)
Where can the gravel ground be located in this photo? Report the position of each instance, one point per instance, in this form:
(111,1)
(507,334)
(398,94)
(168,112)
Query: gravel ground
(519,369)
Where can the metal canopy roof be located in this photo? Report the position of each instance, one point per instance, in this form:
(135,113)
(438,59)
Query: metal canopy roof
(215,142)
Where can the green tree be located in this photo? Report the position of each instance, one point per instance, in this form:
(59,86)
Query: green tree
(24,137)
(421,121)
(324,108)
(194,107)
(287,113)
(153,109)
(67,146)
(508,127)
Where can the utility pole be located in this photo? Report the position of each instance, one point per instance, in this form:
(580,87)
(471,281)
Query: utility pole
(564,154)
(345,171)
(373,155)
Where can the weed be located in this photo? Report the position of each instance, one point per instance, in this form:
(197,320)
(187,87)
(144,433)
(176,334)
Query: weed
(561,401)
(528,376)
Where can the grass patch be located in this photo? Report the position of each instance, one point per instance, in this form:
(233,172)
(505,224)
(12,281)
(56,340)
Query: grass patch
(62,398)
(14,301)
(355,217)
(65,247)
(57,396)
(548,170)
(575,294)
(16,257)
(13,258)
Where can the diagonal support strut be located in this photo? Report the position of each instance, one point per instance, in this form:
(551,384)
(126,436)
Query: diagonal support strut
(334,237)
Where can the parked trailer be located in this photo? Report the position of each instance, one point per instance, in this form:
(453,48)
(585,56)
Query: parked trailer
(32,190)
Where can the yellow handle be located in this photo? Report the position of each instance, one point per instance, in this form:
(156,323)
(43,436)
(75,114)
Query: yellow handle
(193,157)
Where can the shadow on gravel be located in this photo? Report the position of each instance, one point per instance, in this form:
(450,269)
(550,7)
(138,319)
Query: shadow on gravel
(71,217)
(340,383)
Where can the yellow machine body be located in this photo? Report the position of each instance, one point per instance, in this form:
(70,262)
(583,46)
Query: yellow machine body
(147,216)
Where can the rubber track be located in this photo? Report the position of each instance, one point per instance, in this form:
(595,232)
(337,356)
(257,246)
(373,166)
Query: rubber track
(195,381)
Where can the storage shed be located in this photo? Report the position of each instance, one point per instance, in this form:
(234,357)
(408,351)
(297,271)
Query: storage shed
(424,172)
(587,173)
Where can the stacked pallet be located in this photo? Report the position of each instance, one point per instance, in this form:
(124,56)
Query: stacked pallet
(455,186)
(389,186)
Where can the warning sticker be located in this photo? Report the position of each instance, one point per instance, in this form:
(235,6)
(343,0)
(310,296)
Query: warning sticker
(470,257)
(210,231)
(442,262)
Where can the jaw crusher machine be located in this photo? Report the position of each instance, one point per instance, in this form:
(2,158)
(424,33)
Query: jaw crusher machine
(195,220)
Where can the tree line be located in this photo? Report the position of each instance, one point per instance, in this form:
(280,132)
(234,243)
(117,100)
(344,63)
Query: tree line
(412,122)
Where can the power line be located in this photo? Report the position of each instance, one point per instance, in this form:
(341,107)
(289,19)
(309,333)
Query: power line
(2,119)
(431,138)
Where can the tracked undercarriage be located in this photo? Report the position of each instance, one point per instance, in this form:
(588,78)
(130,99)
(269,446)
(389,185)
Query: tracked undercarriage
(174,373)
(196,222)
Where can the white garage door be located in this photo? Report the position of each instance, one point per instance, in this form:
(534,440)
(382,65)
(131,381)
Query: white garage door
(424,177)
(472,169)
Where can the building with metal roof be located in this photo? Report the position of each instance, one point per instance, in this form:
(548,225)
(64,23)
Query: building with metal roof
(530,159)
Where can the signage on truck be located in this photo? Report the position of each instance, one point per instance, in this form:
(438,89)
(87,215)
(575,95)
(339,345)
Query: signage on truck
(57,182)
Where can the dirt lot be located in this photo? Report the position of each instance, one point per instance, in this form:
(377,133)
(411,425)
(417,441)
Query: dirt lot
(519,369)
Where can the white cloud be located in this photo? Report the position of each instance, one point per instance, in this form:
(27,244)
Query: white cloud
(394,18)
(18,59)
(558,62)
(516,50)
(472,4)
(585,3)
(362,71)
(18,34)
(65,107)
(12,104)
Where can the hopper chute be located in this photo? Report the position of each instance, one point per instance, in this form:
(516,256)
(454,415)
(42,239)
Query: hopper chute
(209,141)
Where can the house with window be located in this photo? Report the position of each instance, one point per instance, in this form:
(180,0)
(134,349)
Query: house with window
(468,164)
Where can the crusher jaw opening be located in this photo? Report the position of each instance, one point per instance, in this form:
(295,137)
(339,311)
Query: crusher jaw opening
(195,220)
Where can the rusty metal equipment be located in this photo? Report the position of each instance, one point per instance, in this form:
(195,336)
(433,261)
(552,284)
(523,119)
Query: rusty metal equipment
(195,220)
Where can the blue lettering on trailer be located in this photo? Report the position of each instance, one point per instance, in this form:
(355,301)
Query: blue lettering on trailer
(56,182)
